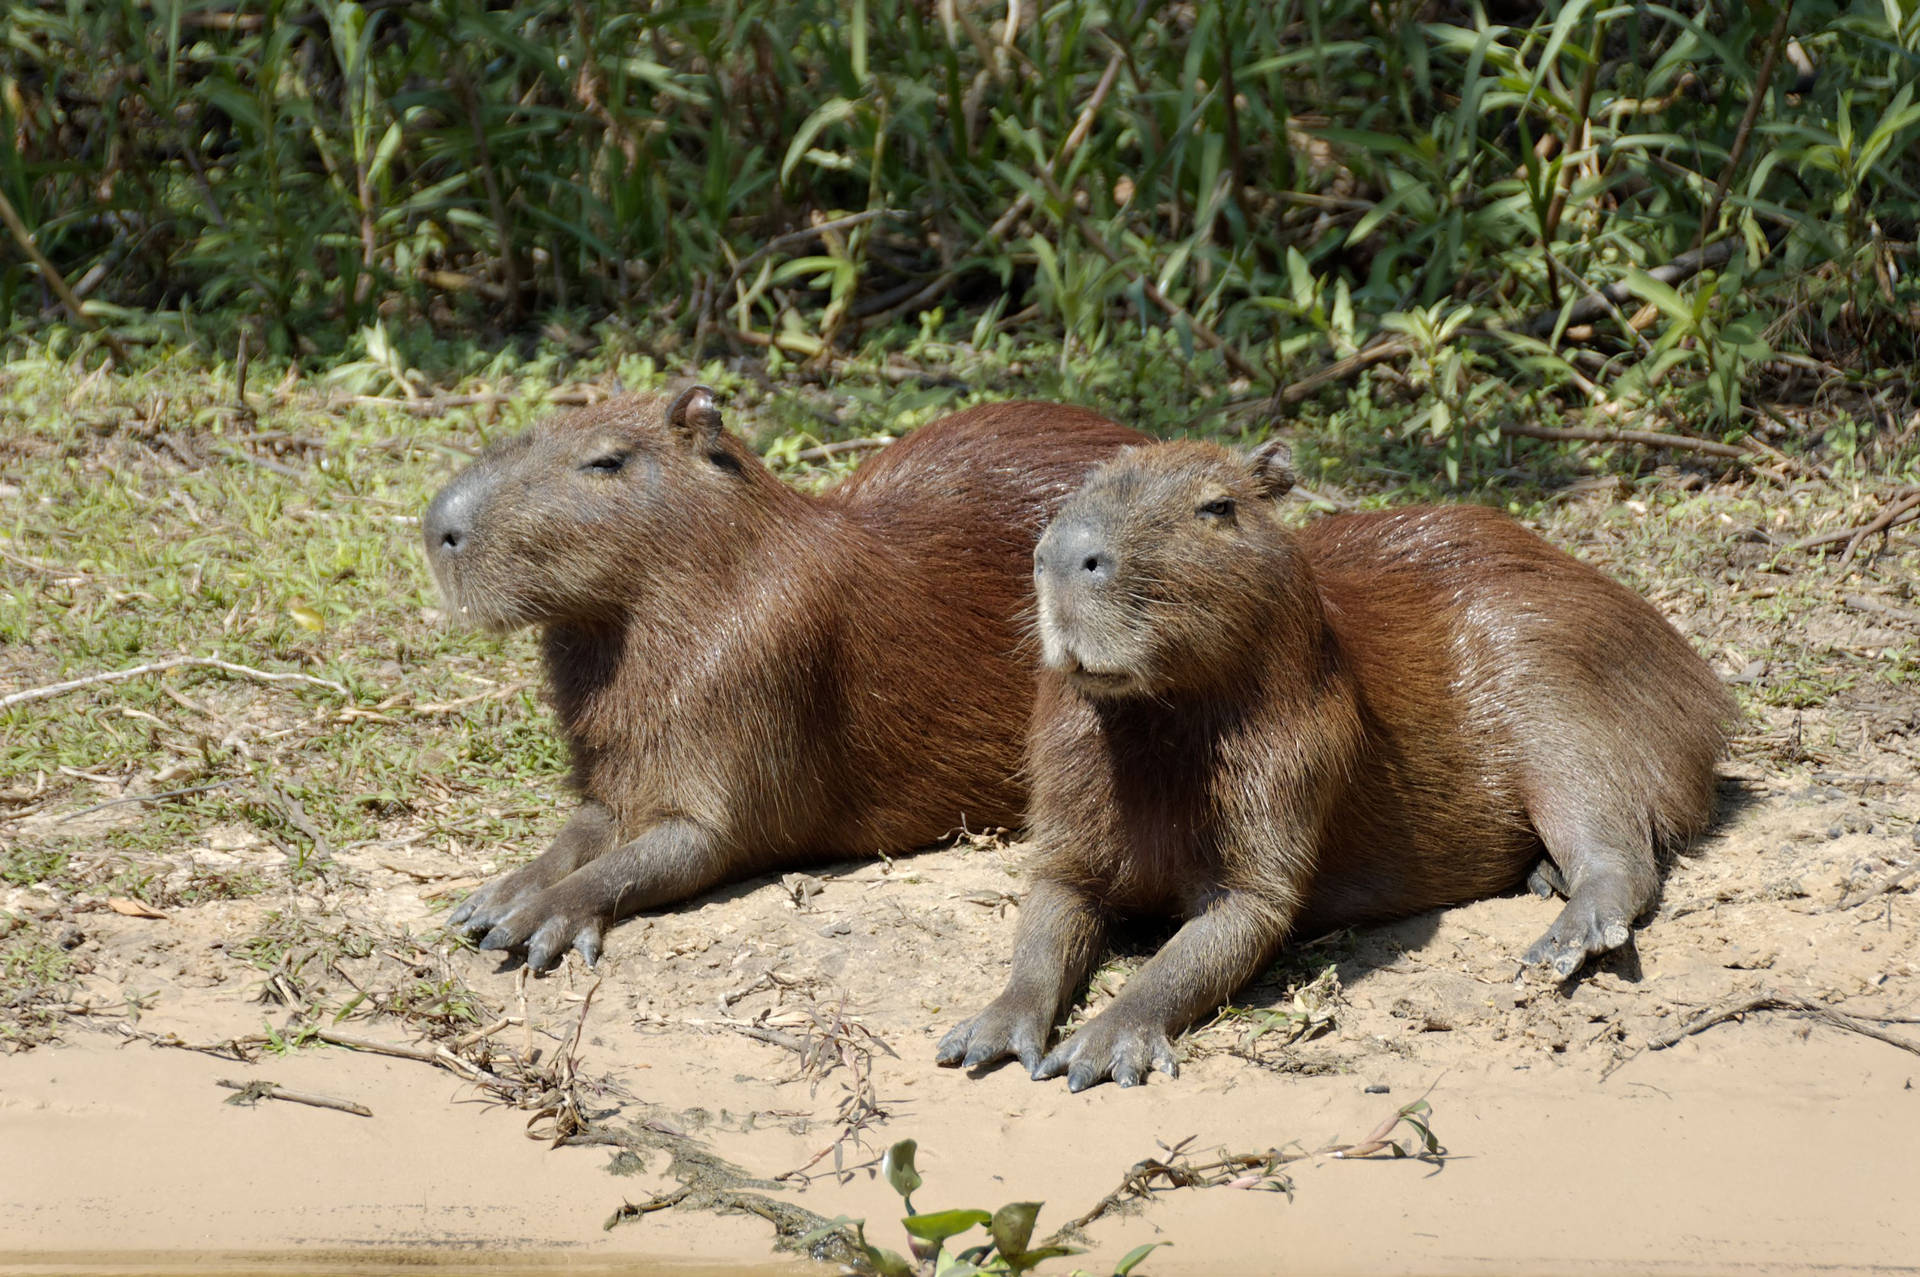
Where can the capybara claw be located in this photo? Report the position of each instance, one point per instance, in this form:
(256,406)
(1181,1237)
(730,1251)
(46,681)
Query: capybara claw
(497,938)
(994,1034)
(1123,1052)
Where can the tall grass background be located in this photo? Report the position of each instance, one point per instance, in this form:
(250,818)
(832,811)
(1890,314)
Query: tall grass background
(1270,187)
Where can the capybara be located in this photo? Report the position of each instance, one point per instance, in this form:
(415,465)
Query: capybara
(747,676)
(1269,732)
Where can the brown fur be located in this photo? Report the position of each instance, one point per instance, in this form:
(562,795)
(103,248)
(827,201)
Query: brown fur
(1270,732)
(747,676)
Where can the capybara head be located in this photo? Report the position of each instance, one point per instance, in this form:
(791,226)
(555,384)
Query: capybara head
(1164,571)
(586,511)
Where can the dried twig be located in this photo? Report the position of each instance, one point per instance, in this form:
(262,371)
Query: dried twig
(55,280)
(1873,890)
(155,667)
(254,1092)
(1643,438)
(1866,603)
(1736,1008)
(145,798)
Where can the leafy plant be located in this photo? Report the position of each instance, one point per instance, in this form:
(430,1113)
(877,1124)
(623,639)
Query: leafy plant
(1006,1251)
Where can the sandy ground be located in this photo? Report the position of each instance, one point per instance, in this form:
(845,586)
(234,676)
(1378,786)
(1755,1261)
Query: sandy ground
(1775,1143)
(787,1025)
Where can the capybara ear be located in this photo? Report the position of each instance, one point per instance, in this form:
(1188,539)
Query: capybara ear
(694,417)
(1272,467)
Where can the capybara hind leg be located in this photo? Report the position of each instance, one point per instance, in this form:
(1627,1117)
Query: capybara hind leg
(588,835)
(1061,931)
(1607,873)
(669,861)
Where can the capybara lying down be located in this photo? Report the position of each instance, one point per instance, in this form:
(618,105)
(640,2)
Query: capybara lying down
(1269,732)
(747,676)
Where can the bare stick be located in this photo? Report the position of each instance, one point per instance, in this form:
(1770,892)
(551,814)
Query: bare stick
(1598,302)
(1896,512)
(155,667)
(55,280)
(1901,512)
(1892,882)
(827,451)
(1738,1007)
(1644,438)
(144,798)
(253,1092)
(1864,603)
(1340,369)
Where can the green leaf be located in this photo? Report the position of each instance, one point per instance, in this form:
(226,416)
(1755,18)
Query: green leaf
(1671,304)
(832,111)
(937,1226)
(1131,1260)
(1012,1227)
(898,1168)
(1028,1259)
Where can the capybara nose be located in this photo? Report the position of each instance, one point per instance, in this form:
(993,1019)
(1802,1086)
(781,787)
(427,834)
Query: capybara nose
(1076,554)
(449,522)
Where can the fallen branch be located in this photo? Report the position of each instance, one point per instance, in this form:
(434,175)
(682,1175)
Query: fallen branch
(1864,603)
(827,451)
(1902,508)
(1643,438)
(1738,1007)
(254,1092)
(1601,300)
(156,667)
(1872,891)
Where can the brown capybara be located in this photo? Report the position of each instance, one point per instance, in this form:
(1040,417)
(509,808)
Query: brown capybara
(1270,732)
(746,676)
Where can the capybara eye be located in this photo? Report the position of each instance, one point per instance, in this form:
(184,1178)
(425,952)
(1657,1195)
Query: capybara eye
(612,463)
(1219,508)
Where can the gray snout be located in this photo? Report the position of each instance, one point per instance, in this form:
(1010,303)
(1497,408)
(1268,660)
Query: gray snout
(1075,556)
(448,527)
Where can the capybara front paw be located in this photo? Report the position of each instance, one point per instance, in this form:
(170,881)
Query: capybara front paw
(543,930)
(489,905)
(1583,928)
(1001,1030)
(1111,1048)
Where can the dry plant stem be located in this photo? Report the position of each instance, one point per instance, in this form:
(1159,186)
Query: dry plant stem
(1644,438)
(1761,83)
(268,1091)
(1739,1007)
(1601,300)
(1863,603)
(1379,351)
(827,451)
(1892,882)
(1902,512)
(55,280)
(1902,507)
(155,667)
